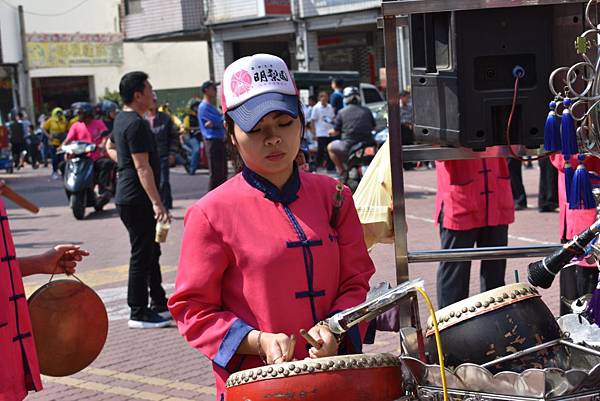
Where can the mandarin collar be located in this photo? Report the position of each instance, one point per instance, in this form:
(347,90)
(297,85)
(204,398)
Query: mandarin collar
(287,195)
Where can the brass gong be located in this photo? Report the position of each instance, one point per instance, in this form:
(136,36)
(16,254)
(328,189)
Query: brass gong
(69,324)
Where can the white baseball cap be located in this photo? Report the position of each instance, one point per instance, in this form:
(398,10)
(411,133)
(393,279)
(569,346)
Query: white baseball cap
(255,86)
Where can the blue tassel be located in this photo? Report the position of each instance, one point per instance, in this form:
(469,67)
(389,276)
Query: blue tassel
(568,178)
(552,140)
(581,190)
(569,137)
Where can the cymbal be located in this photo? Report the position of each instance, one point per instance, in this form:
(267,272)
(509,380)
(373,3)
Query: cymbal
(70,326)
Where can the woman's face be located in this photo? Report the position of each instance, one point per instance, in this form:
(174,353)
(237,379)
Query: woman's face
(271,147)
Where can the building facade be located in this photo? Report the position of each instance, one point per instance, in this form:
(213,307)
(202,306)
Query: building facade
(310,35)
(78,51)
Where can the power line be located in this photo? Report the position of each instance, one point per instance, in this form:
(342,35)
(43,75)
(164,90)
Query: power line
(47,15)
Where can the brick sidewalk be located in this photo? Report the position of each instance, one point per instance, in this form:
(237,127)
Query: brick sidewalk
(159,365)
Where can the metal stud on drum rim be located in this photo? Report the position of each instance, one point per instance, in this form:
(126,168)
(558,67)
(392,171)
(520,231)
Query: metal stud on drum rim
(69,324)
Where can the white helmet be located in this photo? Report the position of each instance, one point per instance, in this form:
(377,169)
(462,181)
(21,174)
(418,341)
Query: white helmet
(351,95)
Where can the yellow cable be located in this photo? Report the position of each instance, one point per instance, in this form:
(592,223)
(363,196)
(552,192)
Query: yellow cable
(438,341)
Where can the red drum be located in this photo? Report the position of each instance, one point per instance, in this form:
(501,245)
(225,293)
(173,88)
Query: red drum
(361,377)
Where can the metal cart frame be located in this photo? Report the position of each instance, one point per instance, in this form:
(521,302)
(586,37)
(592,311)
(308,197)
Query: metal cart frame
(394,13)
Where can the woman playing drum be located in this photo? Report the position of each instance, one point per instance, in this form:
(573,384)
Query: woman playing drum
(267,254)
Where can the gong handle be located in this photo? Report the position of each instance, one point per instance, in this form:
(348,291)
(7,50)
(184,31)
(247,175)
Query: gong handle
(9,193)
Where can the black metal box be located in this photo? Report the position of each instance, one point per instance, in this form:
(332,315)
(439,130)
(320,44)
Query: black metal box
(462,72)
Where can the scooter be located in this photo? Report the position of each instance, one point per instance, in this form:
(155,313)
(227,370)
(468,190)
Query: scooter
(360,156)
(79,179)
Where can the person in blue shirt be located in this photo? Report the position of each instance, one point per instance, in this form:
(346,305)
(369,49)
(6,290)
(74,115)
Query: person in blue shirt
(213,132)
(337,96)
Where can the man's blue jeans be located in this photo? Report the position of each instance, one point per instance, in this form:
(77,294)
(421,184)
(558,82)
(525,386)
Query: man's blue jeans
(194,144)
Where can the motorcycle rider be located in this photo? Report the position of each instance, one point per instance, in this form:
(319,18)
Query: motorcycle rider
(107,111)
(354,123)
(56,129)
(89,129)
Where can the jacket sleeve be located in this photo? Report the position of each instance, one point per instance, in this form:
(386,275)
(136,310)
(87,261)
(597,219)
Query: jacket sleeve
(356,266)
(196,304)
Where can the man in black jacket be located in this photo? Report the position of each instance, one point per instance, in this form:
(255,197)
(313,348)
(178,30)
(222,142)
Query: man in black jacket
(167,141)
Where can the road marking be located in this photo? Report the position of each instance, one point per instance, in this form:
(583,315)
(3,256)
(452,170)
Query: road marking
(110,389)
(120,310)
(421,187)
(96,278)
(155,381)
(515,237)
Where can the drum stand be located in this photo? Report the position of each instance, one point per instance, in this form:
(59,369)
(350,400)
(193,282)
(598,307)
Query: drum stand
(579,380)
(467,382)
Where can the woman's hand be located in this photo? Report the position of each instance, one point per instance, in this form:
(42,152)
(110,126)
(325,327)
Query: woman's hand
(61,259)
(278,348)
(330,344)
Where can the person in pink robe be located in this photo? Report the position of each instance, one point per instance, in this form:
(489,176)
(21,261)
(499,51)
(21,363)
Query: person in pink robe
(473,206)
(19,371)
(267,254)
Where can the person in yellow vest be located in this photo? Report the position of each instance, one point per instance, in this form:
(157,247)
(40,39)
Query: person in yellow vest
(56,129)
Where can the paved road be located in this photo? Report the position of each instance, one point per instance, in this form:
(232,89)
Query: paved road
(158,364)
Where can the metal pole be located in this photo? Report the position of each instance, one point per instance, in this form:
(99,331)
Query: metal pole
(395,138)
(26,95)
(487,253)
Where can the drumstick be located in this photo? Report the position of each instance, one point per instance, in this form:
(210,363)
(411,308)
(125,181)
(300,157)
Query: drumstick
(18,199)
(291,348)
(311,340)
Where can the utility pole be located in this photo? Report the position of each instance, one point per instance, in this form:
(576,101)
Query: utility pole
(24,79)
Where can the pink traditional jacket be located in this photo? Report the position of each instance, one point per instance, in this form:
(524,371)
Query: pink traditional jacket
(573,221)
(254,257)
(473,193)
(19,369)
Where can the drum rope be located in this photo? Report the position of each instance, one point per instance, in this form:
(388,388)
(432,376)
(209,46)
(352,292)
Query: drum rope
(438,340)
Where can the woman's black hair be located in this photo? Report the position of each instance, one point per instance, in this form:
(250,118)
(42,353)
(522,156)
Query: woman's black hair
(236,158)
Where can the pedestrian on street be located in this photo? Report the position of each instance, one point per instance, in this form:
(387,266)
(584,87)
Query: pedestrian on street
(337,96)
(17,132)
(515,167)
(321,119)
(213,134)
(267,253)
(20,372)
(133,146)
(167,139)
(473,206)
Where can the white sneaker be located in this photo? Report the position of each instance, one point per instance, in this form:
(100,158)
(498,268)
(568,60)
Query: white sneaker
(55,176)
(151,320)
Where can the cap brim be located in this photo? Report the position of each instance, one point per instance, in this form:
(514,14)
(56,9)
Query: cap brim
(248,114)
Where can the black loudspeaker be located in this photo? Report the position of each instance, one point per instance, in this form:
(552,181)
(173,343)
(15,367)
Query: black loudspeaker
(463,66)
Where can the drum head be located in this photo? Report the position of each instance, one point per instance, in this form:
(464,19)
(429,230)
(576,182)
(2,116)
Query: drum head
(70,326)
